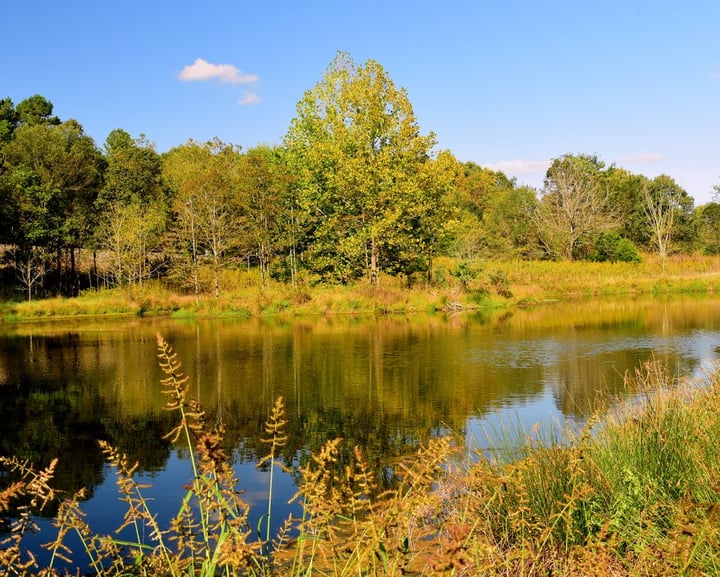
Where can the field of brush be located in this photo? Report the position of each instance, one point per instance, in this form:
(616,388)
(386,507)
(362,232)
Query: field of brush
(455,286)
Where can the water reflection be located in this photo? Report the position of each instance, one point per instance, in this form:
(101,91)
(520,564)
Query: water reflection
(382,384)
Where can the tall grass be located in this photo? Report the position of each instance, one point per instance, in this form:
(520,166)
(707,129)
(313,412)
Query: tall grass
(635,492)
(457,285)
(549,279)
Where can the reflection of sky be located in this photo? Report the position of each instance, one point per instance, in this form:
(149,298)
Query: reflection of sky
(505,423)
(696,352)
(556,363)
(519,354)
(165,495)
(168,490)
(545,352)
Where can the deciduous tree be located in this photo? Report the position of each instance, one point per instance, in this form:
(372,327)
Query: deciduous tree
(707,218)
(267,207)
(129,233)
(665,205)
(574,205)
(60,172)
(361,167)
(131,207)
(204,181)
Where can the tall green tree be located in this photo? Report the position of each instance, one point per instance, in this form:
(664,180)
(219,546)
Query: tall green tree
(8,123)
(361,164)
(128,234)
(707,219)
(28,209)
(479,186)
(133,172)
(496,214)
(59,170)
(203,179)
(9,119)
(131,207)
(508,224)
(267,207)
(36,110)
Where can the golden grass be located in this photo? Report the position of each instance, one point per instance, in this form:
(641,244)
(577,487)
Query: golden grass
(494,284)
(549,279)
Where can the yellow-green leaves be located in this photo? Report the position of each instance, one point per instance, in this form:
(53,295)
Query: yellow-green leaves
(362,167)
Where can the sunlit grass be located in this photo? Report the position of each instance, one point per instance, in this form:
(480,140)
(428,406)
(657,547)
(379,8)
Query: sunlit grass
(457,286)
(548,279)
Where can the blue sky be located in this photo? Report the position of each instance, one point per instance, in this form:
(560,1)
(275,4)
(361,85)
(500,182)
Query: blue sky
(509,84)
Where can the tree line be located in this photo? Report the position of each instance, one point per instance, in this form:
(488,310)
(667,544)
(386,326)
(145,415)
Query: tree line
(354,190)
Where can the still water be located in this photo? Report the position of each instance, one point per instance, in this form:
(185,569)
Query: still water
(383,384)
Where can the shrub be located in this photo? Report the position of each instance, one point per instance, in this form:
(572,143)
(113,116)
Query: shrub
(626,251)
(465,273)
(610,246)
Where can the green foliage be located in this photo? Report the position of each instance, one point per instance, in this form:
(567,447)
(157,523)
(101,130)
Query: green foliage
(133,172)
(53,176)
(372,196)
(707,218)
(625,190)
(465,273)
(609,246)
(500,283)
(36,110)
(626,251)
(575,205)
(67,172)
(9,119)
(204,181)
(354,191)
(269,211)
(668,213)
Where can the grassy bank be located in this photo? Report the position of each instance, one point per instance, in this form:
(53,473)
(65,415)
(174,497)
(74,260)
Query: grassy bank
(635,492)
(457,286)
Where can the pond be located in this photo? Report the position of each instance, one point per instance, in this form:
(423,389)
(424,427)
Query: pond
(383,384)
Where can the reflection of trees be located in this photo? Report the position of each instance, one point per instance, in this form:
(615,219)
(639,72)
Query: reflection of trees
(384,385)
(582,384)
(42,422)
(52,405)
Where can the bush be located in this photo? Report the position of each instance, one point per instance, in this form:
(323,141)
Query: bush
(610,246)
(626,251)
(464,273)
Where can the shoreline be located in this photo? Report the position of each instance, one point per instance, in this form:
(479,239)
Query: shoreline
(495,286)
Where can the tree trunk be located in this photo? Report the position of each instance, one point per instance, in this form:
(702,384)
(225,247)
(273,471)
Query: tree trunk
(74,281)
(216,275)
(58,268)
(293,272)
(94,272)
(29,268)
(373,262)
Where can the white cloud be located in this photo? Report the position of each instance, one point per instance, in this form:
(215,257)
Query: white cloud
(714,74)
(201,70)
(512,167)
(642,158)
(249,98)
